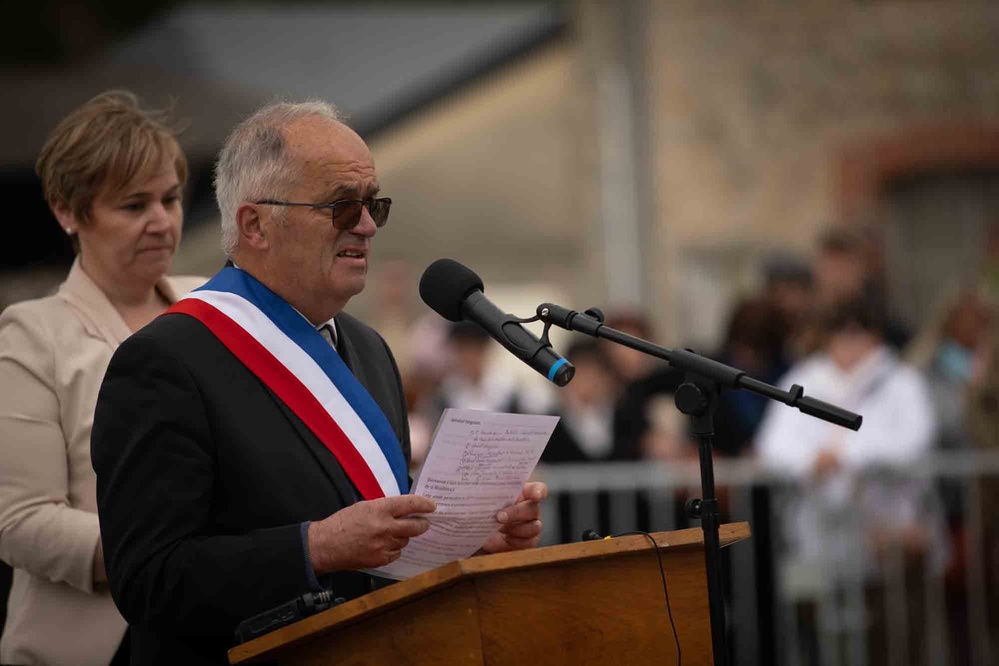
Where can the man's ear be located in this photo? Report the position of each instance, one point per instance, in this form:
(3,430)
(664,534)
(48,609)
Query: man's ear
(252,231)
(67,218)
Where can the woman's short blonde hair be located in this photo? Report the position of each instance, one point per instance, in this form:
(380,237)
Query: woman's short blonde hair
(101,147)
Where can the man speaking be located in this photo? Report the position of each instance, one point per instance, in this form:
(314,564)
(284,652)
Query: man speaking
(251,445)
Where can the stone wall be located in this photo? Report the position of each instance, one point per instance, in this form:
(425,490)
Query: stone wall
(758,108)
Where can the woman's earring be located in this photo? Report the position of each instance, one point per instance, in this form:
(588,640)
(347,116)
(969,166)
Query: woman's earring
(69,232)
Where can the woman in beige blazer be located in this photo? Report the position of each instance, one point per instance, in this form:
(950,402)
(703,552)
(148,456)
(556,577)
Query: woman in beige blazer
(112,175)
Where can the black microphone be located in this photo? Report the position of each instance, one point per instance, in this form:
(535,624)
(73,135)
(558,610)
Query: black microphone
(454,292)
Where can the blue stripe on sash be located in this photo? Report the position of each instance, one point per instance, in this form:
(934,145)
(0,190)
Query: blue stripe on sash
(300,331)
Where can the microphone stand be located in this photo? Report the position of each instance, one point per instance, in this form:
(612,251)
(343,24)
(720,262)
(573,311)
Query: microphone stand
(697,397)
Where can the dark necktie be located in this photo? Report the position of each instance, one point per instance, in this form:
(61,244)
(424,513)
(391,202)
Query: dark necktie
(327,332)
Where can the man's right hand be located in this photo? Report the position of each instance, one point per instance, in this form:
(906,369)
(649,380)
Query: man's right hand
(367,534)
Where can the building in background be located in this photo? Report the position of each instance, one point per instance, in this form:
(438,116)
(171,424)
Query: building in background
(639,153)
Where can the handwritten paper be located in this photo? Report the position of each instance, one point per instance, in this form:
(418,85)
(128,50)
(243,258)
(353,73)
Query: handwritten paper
(478,464)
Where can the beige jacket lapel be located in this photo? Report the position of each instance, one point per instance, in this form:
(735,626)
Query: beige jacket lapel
(98,316)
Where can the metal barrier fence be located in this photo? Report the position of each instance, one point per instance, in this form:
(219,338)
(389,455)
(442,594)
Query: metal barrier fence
(902,570)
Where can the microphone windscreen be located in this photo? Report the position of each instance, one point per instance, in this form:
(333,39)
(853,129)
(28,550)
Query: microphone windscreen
(445,285)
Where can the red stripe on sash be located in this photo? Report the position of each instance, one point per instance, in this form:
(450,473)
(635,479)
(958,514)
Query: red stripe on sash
(287,387)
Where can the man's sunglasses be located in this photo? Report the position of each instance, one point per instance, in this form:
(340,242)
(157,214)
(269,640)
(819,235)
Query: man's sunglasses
(346,213)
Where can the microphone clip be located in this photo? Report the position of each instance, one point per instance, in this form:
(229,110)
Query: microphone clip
(544,340)
(588,322)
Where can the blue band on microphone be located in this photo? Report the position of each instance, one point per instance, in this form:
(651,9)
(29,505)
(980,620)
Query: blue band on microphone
(558,364)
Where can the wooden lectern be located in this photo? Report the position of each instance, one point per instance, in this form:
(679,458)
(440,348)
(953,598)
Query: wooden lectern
(597,602)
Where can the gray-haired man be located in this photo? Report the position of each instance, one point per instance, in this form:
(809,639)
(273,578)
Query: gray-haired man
(251,445)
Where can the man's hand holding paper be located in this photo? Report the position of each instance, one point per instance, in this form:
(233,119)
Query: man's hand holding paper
(367,534)
(520,524)
(477,473)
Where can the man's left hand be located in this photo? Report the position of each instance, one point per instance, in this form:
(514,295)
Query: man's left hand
(520,523)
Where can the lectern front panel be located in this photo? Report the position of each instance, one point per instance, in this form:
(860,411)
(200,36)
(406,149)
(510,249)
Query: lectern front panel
(609,611)
(438,629)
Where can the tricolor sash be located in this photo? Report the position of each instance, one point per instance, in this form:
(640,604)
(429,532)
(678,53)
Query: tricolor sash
(284,351)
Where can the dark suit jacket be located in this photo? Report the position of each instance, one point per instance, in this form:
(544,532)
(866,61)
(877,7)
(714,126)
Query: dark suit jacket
(203,480)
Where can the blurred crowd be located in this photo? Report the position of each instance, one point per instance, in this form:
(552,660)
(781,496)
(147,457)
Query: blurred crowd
(827,325)
(826,321)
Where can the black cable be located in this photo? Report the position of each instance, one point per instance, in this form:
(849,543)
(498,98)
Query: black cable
(662,572)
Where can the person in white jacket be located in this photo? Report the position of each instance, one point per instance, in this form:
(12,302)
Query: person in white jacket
(838,512)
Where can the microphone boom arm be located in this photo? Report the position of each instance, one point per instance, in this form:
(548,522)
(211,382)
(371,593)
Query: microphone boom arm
(683,359)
